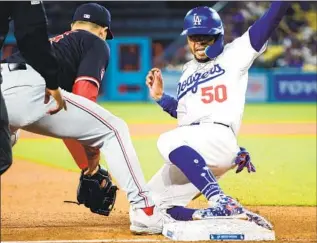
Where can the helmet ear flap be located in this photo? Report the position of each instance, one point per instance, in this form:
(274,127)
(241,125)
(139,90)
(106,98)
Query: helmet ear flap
(217,37)
(215,49)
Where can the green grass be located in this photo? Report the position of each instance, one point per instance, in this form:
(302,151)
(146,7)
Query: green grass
(143,112)
(286,172)
(51,152)
(286,166)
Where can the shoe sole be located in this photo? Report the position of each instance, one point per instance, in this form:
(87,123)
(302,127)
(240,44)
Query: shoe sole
(145,231)
(242,216)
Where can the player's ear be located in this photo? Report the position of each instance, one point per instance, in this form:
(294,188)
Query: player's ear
(103,32)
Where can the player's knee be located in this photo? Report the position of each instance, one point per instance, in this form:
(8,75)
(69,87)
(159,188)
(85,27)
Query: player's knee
(121,126)
(163,145)
(222,163)
(166,143)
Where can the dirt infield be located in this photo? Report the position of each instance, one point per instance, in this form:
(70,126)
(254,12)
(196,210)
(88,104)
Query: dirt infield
(32,206)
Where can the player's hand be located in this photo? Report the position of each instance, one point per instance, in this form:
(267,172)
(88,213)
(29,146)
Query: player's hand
(91,170)
(243,160)
(154,82)
(60,102)
(93,156)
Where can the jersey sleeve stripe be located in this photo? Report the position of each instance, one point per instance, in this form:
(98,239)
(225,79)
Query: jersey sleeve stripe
(87,78)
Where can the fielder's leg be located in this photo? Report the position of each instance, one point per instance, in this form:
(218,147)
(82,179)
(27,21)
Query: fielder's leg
(5,142)
(84,121)
(91,125)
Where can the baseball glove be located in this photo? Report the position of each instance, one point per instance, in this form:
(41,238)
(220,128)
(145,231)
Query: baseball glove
(97,192)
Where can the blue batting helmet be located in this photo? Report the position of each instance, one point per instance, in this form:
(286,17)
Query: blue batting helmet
(205,21)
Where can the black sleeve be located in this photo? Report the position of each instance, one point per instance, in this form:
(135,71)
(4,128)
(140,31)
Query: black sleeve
(5,13)
(92,67)
(30,26)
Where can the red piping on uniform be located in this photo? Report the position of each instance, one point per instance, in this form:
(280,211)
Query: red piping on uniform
(120,143)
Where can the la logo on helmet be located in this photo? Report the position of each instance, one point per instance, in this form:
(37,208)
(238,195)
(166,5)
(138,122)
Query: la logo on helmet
(197,20)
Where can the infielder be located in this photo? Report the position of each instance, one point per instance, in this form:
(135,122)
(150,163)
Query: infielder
(32,40)
(209,108)
(83,56)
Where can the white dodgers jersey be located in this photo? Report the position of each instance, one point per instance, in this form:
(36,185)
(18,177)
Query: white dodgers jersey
(215,91)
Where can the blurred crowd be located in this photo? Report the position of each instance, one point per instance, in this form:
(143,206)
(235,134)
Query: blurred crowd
(293,44)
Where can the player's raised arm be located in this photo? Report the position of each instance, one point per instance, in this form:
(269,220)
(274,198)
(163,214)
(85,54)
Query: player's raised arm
(154,81)
(242,52)
(263,28)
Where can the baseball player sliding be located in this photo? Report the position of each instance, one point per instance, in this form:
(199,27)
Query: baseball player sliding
(87,128)
(209,107)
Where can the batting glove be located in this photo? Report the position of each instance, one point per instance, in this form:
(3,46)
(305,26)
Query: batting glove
(243,160)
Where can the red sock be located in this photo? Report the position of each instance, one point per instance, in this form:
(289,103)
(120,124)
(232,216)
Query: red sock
(148,210)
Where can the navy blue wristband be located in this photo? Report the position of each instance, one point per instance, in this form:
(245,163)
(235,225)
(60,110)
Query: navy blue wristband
(169,104)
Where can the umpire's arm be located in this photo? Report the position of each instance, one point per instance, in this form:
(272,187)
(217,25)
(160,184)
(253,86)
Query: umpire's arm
(30,27)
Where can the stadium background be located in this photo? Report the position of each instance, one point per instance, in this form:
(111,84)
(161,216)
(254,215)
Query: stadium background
(279,124)
(149,36)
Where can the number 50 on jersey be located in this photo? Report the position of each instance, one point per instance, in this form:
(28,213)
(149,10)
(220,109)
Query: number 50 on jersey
(214,94)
